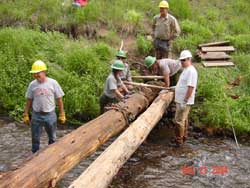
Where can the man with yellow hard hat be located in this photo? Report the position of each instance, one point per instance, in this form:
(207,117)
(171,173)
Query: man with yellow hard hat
(41,95)
(165,30)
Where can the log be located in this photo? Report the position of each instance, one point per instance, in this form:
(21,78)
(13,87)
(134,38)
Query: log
(149,77)
(49,165)
(218,49)
(148,85)
(221,43)
(101,172)
(217,64)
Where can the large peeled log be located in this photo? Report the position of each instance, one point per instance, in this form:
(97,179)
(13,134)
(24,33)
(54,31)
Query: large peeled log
(100,173)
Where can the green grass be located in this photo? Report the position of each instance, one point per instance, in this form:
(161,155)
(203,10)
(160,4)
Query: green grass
(216,20)
(79,67)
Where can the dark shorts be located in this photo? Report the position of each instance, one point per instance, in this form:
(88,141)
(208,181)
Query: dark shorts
(106,101)
(161,48)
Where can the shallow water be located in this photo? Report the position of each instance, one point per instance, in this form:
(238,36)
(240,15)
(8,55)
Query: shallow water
(155,164)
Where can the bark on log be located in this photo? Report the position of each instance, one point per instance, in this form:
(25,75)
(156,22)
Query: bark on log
(49,165)
(101,172)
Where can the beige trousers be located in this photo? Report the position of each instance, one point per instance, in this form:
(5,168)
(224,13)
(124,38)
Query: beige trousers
(181,122)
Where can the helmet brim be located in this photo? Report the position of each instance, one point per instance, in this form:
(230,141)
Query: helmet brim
(116,68)
(36,71)
(121,56)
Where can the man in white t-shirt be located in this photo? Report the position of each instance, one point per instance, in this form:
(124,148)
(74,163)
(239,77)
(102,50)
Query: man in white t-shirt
(184,95)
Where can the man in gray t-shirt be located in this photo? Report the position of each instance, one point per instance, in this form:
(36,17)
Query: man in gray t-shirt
(164,67)
(112,84)
(111,93)
(125,75)
(41,96)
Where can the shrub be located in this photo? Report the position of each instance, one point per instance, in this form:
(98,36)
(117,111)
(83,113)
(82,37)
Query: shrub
(81,71)
(240,42)
(144,46)
(181,8)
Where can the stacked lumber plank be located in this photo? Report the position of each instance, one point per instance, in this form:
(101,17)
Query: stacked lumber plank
(216,54)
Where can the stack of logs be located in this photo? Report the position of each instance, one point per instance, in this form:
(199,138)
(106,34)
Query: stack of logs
(215,54)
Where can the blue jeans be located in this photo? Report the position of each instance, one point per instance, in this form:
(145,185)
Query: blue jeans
(38,120)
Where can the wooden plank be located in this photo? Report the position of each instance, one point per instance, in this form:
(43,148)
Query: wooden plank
(101,172)
(218,49)
(217,63)
(148,85)
(221,43)
(214,56)
(151,77)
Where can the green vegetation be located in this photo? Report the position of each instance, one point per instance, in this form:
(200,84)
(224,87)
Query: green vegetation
(81,66)
(218,20)
(144,46)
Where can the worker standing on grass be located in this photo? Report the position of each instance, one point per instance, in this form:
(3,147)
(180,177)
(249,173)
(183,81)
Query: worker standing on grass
(165,30)
(184,96)
(125,75)
(40,96)
(111,92)
(165,67)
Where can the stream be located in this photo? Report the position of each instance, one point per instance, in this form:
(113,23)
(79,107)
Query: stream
(201,162)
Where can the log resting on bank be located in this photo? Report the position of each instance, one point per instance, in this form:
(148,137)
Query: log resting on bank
(101,172)
(48,166)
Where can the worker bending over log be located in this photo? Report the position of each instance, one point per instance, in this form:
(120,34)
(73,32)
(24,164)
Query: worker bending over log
(164,67)
(111,93)
(184,96)
(125,75)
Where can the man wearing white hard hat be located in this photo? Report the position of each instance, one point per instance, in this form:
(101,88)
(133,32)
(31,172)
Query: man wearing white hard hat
(165,30)
(184,96)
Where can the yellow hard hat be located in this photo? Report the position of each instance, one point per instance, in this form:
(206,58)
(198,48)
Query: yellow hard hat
(163,4)
(38,66)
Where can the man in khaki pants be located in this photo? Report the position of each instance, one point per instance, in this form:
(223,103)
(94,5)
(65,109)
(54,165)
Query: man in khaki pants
(184,96)
(165,30)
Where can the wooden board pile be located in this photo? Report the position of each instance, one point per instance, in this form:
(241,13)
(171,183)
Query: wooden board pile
(216,54)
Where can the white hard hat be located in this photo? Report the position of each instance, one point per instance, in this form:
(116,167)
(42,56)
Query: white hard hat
(185,54)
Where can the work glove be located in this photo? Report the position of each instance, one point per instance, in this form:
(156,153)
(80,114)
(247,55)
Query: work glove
(163,91)
(126,96)
(26,119)
(62,118)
